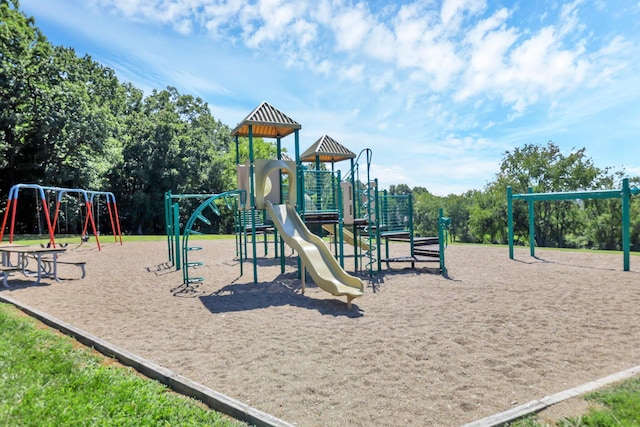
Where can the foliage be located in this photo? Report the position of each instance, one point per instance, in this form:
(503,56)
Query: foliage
(172,142)
(239,155)
(68,121)
(545,169)
(46,381)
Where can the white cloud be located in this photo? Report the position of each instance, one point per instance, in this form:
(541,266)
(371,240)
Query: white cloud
(351,26)
(452,12)
(440,78)
(424,42)
(273,17)
(354,72)
(219,17)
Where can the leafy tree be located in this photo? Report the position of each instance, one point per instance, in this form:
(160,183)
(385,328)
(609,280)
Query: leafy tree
(399,189)
(546,169)
(425,213)
(58,113)
(24,57)
(261,150)
(457,208)
(488,216)
(173,143)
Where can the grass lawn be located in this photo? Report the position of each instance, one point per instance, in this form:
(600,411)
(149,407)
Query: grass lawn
(618,405)
(34,239)
(48,380)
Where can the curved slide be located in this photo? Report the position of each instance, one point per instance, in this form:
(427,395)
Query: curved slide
(323,267)
(348,237)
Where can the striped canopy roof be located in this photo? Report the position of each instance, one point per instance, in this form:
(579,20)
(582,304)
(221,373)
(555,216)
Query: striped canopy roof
(267,122)
(327,150)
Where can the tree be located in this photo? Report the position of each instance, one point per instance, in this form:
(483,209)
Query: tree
(457,208)
(24,56)
(59,113)
(399,189)
(425,213)
(546,169)
(173,143)
(261,150)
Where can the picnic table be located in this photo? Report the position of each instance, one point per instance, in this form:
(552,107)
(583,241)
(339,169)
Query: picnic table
(46,260)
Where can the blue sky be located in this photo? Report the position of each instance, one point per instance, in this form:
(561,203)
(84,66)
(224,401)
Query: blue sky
(438,90)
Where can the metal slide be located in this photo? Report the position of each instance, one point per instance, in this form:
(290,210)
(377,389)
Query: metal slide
(323,267)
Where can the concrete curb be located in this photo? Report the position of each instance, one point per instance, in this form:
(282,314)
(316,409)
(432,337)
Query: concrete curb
(540,404)
(178,383)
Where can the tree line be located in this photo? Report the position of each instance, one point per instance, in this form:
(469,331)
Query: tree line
(68,121)
(481,216)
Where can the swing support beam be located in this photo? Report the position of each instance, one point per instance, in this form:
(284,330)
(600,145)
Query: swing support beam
(530,197)
(88,195)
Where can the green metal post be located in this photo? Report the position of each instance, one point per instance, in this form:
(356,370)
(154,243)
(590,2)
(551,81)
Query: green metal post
(442,224)
(236,229)
(384,219)
(510,219)
(377,219)
(168,217)
(411,221)
(354,201)
(300,195)
(340,232)
(318,184)
(238,214)
(244,233)
(532,225)
(176,231)
(275,230)
(626,222)
(252,206)
(263,222)
(237,150)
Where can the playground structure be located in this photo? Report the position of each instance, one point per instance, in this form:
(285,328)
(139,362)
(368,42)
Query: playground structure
(624,194)
(178,244)
(87,196)
(286,197)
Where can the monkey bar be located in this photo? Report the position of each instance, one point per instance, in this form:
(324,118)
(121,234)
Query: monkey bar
(624,194)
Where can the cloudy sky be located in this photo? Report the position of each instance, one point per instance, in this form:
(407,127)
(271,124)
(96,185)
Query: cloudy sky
(438,90)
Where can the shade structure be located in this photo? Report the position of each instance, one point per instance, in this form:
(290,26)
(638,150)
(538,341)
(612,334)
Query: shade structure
(286,157)
(266,122)
(327,150)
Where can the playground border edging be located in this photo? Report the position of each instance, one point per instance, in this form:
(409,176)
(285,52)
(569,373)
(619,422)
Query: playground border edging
(177,383)
(543,403)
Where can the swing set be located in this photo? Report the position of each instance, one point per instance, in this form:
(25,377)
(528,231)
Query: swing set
(87,196)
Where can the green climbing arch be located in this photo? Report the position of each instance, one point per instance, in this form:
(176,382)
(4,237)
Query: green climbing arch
(208,207)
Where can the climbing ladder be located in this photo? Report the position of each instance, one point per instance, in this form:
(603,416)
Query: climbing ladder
(371,229)
(191,229)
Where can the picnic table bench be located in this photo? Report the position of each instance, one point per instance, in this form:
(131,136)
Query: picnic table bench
(48,265)
(6,269)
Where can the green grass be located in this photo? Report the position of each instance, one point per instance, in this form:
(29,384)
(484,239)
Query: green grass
(45,381)
(34,239)
(620,407)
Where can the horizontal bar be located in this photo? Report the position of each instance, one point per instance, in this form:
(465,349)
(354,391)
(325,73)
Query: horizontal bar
(572,195)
